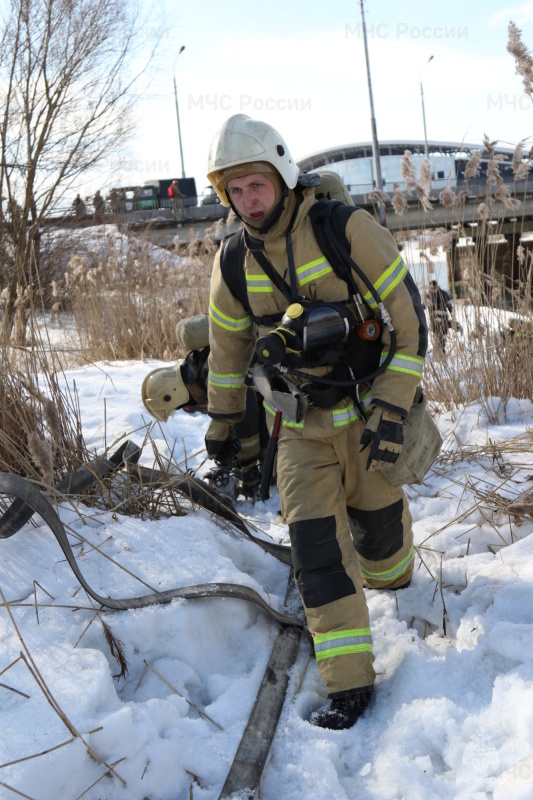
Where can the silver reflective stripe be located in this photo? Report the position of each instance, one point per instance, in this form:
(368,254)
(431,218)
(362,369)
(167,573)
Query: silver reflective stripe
(313,270)
(347,641)
(392,276)
(226,322)
(412,365)
(258,283)
(229,381)
(343,416)
(394,572)
(249,444)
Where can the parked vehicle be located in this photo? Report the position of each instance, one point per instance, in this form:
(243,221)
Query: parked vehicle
(152,196)
(209,196)
(132,198)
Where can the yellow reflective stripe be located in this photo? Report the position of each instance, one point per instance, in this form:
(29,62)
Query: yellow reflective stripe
(230,380)
(345,651)
(393,572)
(287,423)
(341,416)
(411,365)
(313,270)
(258,283)
(226,322)
(342,643)
(347,415)
(387,281)
(344,416)
(336,636)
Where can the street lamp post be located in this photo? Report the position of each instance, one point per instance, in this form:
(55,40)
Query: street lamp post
(375,145)
(182,48)
(424,109)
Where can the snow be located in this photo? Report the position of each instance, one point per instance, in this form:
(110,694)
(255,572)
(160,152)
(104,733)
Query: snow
(452,715)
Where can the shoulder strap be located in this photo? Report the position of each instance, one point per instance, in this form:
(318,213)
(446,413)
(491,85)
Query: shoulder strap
(232,268)
(257,249)
(334,248)
(329,222)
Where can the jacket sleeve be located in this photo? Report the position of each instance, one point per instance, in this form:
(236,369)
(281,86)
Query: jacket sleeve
(232,338)
(374,250)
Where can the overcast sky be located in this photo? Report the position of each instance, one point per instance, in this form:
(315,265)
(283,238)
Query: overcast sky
(300,65)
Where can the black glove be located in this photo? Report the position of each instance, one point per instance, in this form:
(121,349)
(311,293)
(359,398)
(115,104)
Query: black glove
(384,433)
(220,442)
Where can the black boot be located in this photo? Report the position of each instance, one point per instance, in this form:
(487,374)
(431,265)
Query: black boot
(251,480)
(343,712)
(395,588)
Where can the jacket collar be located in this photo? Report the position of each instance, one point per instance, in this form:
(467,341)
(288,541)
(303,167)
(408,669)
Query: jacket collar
(296,209)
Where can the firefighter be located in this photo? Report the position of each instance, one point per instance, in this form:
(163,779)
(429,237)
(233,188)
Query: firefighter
(184,386)
(349,527)
(99,207)
(79,207)
(176,199)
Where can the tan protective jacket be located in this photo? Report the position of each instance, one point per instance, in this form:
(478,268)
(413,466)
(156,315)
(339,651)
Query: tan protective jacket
(233,334)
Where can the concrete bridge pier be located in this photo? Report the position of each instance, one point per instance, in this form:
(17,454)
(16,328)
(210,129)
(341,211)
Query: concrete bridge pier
(496,256)
(513,270)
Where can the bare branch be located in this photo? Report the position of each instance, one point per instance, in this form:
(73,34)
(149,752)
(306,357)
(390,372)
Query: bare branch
(67,73)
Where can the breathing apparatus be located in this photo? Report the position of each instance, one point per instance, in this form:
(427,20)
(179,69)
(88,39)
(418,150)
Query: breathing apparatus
(331,245)
(310,325)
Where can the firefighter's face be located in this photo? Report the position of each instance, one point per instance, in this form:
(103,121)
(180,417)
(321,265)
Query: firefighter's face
(253,195)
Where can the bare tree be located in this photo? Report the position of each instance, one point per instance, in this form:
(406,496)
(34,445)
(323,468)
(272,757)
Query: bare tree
(66,79)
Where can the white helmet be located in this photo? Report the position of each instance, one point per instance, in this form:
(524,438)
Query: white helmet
(163,391)
(245,141)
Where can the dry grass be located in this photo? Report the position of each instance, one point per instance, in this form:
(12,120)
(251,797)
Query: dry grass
(522,56)
(127,306)
(41,440)
(40,430)
(488,362)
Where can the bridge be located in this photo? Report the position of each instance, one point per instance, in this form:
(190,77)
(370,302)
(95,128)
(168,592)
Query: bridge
(194,221)
(354,163)
(506,230)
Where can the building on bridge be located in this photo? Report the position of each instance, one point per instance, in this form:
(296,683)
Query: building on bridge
(355,164)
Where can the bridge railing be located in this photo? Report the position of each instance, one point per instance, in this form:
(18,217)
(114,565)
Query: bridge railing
(130,212)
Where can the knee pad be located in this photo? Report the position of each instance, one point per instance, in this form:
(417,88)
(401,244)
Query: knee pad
(317,559)
(377,534)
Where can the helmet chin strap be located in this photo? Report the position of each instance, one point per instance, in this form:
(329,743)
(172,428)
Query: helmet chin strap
(272,219)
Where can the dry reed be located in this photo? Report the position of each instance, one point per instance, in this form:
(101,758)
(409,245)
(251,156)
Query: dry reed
(522,56)
(127,306)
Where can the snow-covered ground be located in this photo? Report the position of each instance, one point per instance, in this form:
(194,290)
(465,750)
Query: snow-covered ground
(453,712)
(452,716)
